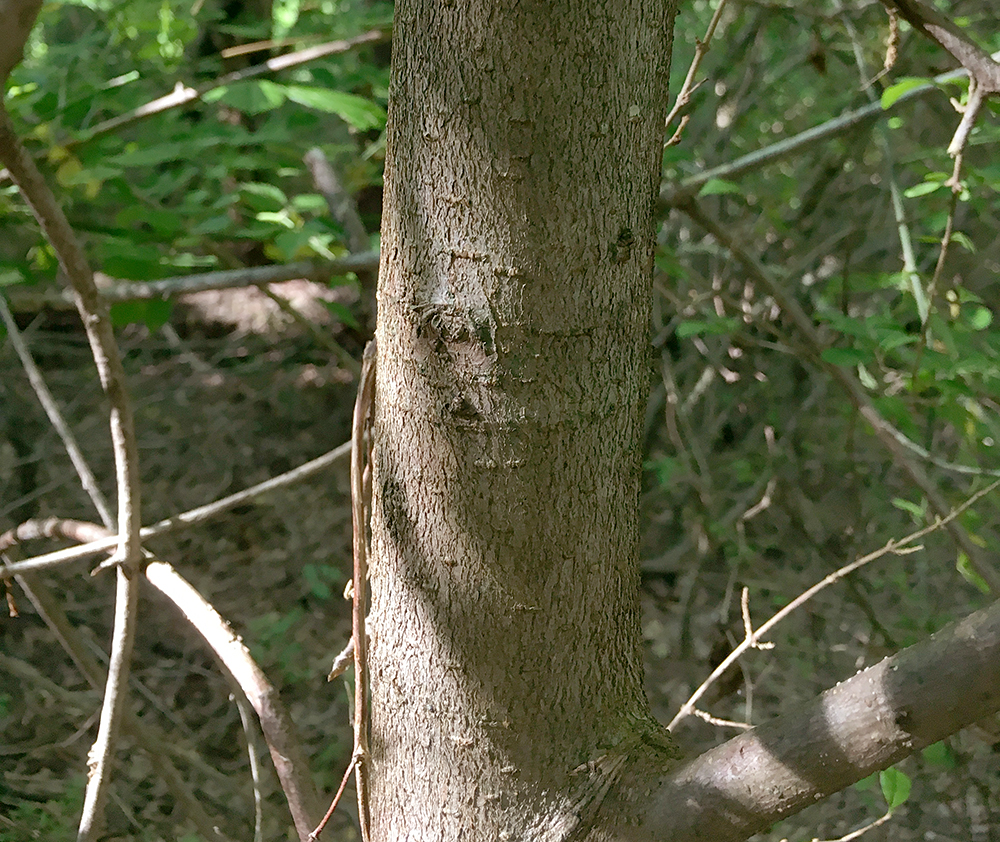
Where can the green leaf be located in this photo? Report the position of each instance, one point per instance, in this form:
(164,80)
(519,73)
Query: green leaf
(718,186)
(341,313)
(213,225)
(969,573)
(713,327)
(922,189)
(263,197)
(980,318)
(891,339)
(844,356)
(895,787)
(131,260)
(154,314)
(665,469)
(914,509)
(253,97)
(963,240)
(891,94)
(866,784)
(357,111)
(9,277)
(940,754)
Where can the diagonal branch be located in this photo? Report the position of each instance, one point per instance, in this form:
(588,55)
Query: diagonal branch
(192,517)
(277,725)
(892,440)
(863,725)
(930,22)
(94,313)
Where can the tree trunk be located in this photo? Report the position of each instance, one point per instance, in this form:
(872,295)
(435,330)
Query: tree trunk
(522,165)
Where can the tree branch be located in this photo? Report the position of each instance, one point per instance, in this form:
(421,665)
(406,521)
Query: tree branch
(97,324)
(862,725)
(31,299)
(930,22)
(277,725)
(898,446)
(186,519)
(18,18)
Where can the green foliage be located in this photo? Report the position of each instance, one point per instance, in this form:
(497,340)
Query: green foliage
(198,186)
(273,643)
(324,580)
(54,820)
(895,787)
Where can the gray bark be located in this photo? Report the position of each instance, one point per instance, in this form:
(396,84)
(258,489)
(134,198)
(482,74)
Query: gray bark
(522,167)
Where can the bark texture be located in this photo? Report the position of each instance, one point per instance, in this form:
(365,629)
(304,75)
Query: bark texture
(522,165)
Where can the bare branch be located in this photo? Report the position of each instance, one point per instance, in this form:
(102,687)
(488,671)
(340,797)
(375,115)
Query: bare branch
(671,194)
(279,731)
(94,313)
(37,381)
(898,446)
(192,517)
(752,638)
(684,96)
(930,22)
(182,94)
(341,204)
(101,758)
(864,724)
(29,299)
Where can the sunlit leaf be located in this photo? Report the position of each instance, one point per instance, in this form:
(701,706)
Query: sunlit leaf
(891,94)
(980,318)
(923,189)
(357,111)
(718,186)
(970,574)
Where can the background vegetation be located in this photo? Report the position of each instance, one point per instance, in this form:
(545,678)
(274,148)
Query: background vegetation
(761,471)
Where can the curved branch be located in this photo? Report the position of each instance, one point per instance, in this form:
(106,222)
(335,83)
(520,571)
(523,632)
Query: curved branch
(279,731)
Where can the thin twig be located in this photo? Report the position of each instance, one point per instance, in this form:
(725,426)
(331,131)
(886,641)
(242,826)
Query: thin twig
(153,741)
(187,519)
(37,381)
(892,439)
(672,194)
(102,753)
(97,324)
(861,831)
(112,290)
(752,639)
(700,49)
(342,206)
(183,94)
(278,728)
(336,800)
(258,813)
(320,337)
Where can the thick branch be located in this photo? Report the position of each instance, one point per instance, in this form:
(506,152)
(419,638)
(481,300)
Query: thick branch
(861,726)
(930,22)
(18,18)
